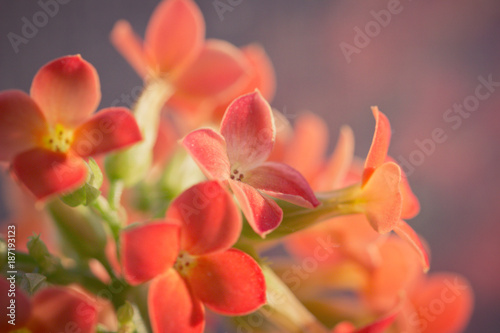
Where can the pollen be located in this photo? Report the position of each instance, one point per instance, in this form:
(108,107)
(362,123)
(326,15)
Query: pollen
(236,175)
(59,139)
(184,262)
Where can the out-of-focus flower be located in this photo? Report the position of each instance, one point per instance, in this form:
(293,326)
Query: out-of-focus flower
(189,258)
(206,75)
(52,309)
(238,156)
(47,136)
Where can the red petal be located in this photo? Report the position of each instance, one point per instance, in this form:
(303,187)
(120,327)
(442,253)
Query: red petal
(379,326)
(215,72)
(380,144)
(67,90)
(339,163)
(382,197)
(21,305)
(148,250)
(408,234)
(172,306)
(443,304)
(411,205)
(130,46)
(175,33)
(283,182)
(263,214)
(109,129)
(248,127)
(57,309)
(230,282)
(208,149)
(263,77)
(210,219)
(22,124)
(47,173)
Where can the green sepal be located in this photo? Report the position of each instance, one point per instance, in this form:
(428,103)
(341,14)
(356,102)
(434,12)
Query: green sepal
(89,192)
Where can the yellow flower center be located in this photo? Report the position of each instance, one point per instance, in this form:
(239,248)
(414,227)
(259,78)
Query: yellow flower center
(59,139)
(184,262)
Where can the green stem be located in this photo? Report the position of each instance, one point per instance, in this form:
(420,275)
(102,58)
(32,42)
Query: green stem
(112,218)
(114,194)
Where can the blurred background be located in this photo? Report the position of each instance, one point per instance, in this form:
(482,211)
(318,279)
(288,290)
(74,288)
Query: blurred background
(421,65)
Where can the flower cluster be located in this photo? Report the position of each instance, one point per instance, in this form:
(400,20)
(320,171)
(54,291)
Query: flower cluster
(198,200)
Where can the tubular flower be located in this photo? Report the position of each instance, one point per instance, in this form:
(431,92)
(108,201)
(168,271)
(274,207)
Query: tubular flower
(238,156)
(49,310)
(189,258)
(47,135)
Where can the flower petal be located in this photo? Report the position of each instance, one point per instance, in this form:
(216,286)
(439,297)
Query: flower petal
(248,127)
(216,71)
(172,306)
(263,214)
(175,33)
(308,145)
(230,282)
(67,90)
(148,250)
(338,165)
(22,306)
(47,173)
(452,295)
(109,129)
(55,307)
(209,217)
(22,124)
(130,46)
(382,197)
(380,144)
(263,77)
(283,182)
(406,232)
(208,149)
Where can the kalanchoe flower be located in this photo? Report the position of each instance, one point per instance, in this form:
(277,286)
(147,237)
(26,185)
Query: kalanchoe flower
(47,136)
(49,310)
(189,258)
(238,156)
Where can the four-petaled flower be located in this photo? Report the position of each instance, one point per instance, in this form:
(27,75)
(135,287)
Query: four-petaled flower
(238,156)
(189,258)
(48,135)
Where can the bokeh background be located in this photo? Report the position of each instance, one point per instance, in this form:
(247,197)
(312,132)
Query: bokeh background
(419,65)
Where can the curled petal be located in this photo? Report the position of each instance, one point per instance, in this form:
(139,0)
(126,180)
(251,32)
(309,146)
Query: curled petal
(174,34)
(382,197)
(22,124)
(230,282)
(129,45)
(283,182)
(452,295)
(208,149)
(47,173)
(248,127)
(209,218)
(380,144)
(55,307)
(67,90)
(148,250)
(263,214)
(406,232)
(172,306)
(109,129)
(21,306)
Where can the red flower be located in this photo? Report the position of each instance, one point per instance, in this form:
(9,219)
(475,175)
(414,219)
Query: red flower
(48,135)
(189,258)
(238,156)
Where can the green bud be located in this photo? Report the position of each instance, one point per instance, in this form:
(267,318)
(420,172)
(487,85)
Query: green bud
(89,192)
(125,313)
(38,251)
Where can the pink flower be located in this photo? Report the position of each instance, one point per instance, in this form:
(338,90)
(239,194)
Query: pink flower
(238,156)
(189,258)
(47,136)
